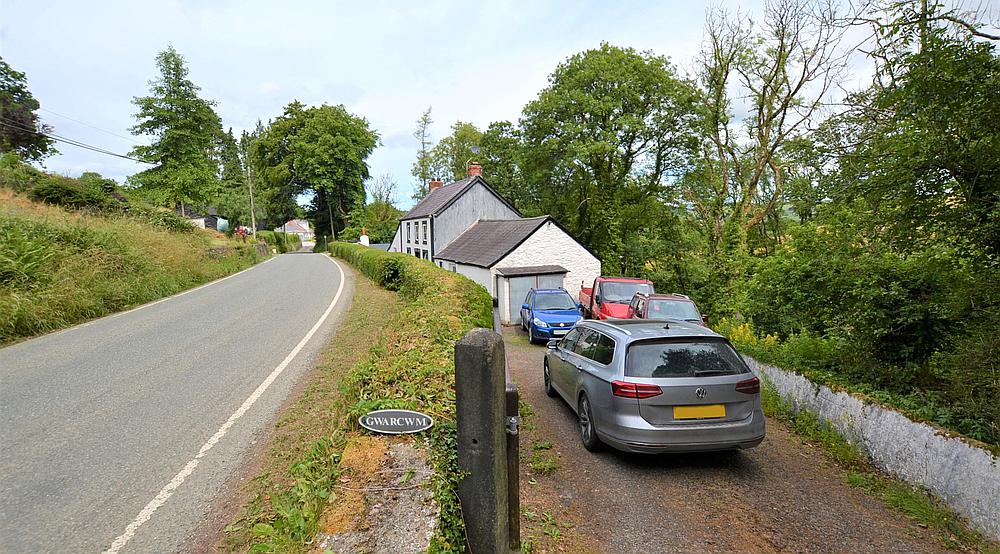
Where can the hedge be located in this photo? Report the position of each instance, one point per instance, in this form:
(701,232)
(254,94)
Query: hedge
(411,367)
(283,242)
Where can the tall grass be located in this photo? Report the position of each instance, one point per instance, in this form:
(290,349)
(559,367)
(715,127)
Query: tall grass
(60,267)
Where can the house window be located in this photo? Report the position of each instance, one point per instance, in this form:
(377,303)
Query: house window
(424,225)
(454,267)
(408,239)
(425,254)
(409,250)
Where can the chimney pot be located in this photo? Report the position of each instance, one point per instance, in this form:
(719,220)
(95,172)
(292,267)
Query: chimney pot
(434,184)
(475,169)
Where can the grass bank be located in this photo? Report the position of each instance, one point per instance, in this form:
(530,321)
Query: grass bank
(408,362)
(61,266)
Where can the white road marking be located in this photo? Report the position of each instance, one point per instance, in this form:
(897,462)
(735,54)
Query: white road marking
(167,491)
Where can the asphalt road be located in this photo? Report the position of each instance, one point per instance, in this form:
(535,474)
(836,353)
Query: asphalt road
(128,427)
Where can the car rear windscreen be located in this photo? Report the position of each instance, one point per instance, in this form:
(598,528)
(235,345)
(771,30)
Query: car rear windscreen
(674,309)
(682,358)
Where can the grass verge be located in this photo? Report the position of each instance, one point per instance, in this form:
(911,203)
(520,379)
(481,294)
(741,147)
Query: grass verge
(408,362)
(60,267)
(918,504)
(297,474)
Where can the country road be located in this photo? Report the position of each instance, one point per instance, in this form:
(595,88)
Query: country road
(120,433)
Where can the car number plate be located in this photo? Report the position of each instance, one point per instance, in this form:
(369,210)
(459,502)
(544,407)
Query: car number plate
(708,411)
(560,331)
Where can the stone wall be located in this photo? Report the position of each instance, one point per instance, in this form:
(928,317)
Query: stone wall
(966,477)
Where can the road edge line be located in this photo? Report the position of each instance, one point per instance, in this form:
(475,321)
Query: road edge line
(168,490)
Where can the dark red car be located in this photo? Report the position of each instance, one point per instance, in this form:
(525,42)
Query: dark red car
(665,306)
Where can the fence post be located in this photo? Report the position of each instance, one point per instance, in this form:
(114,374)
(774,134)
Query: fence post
(482,440)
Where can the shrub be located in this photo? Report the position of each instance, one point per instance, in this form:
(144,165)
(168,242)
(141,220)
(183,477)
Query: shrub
(413,366)
(71,193)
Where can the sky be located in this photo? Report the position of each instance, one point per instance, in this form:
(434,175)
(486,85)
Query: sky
(385,61)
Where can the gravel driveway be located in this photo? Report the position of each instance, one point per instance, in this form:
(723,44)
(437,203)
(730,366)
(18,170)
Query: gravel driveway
(783,496)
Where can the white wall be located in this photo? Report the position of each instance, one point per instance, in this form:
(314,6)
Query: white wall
(549,245)
(416,239)
(396,244)
(480,275)
(966,477)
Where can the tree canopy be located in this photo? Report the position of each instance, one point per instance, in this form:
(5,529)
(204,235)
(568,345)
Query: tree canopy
(20,129)
(185,130)
(320,151)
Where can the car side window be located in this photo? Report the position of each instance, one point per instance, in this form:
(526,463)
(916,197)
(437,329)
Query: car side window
(527,299)
(638,309)
(585,346)
(604,351)
(569,341)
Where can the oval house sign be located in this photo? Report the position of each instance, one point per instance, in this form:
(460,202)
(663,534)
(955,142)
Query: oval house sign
(396,422)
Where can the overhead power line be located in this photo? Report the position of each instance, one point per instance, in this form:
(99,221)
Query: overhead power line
(67,140)
(85,124)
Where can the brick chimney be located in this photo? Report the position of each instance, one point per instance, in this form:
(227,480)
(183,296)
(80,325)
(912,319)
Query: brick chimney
(475,169)
(434,184)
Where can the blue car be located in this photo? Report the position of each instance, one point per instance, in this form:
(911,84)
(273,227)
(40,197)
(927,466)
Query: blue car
(549,313)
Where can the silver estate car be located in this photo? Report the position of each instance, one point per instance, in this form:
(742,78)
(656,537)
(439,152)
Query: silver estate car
(655,386)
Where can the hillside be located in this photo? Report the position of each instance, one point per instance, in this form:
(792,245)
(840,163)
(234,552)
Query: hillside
(77,249)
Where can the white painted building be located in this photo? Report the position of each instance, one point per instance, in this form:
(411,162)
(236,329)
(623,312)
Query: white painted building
(510,257)
(467,227)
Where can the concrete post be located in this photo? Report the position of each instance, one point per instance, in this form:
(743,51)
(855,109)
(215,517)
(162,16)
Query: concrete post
(482,440)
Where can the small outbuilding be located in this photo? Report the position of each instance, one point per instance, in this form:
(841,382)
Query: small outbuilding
(509,257)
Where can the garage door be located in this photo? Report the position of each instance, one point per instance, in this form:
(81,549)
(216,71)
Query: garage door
(519,287)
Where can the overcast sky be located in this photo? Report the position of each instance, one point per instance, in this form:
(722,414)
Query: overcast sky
(386,61)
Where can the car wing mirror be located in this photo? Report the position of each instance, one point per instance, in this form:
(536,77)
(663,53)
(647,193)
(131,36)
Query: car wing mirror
(552,344)
(524,306)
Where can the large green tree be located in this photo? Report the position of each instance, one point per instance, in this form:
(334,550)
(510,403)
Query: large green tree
(233,200)
(606,137)
(922,144)
(321,152)
(449,158)
(184,129)
(20,129)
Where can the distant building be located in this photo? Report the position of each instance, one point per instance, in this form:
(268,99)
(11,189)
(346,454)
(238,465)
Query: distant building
(298,227)
(207,218)
(467,227)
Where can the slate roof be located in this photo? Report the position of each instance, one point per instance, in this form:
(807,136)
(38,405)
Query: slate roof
(439,199)
(489,240)
(532,270)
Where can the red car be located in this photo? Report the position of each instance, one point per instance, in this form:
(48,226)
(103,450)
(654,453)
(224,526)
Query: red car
(665,306)
(609,296)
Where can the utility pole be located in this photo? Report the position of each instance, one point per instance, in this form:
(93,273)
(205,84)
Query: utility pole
(253,216)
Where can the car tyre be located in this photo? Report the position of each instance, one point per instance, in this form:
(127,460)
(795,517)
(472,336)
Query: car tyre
(588,432)
(547,380)
(531,335)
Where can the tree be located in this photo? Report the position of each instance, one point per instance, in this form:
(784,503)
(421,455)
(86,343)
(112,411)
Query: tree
(376,214)
(422,166)
(602,140)
(320,151)
(924,156)
(450,158)
(783,68)
(20,129)
(234,200)
(184,128)
(501,156)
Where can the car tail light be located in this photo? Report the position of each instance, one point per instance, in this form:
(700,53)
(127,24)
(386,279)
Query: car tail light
(634,390)
(750,386)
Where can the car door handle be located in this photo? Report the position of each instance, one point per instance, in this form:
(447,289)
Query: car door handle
(579,366)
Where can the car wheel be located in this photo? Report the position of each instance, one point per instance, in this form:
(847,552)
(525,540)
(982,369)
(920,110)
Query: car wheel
(547,379)
(523,328)
(588,434)
(531,335)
